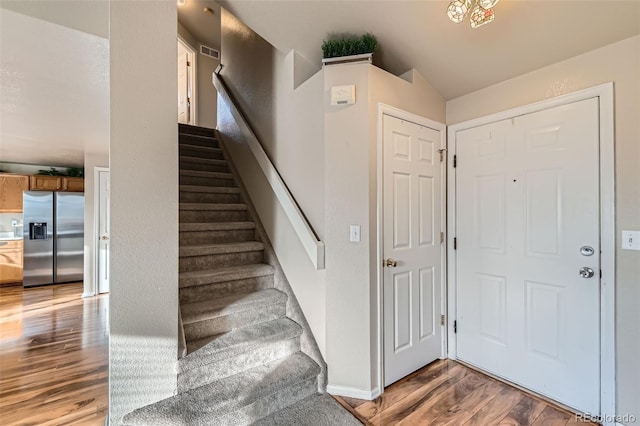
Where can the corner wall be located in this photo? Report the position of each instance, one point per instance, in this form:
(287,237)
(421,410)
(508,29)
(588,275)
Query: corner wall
(143,343)
(351,185)
(620,63)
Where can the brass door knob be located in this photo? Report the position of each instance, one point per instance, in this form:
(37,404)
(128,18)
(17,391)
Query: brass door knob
(390,263)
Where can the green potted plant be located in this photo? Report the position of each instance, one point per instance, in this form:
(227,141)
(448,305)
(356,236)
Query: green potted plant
(349,48)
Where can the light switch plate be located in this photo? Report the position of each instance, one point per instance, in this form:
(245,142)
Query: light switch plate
(631,240)
(354,233)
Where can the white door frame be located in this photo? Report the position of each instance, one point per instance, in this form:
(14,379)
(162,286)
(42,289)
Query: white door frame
(96,227)
(384,109)
(193,112)
(607,225)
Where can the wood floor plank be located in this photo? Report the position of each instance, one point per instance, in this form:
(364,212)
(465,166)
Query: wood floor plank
(470,404)
(524,413)
(424,395)
(406,386)
(53,356)
(497,408)
(552,417)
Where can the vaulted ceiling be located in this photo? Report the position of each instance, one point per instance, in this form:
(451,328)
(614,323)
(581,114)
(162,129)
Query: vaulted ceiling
(526,34)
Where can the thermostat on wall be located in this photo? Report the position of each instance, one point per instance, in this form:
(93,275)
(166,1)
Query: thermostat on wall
(343,95)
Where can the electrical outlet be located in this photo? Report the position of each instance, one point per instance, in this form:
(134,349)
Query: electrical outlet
(354,233)
(631,240)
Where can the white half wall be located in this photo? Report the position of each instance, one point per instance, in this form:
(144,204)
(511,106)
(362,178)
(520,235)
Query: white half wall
(143,344)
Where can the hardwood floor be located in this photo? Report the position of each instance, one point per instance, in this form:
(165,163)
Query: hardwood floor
(53,356)
(448,393)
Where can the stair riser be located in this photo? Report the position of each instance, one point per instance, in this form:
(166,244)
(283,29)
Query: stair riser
(203,167)
(223,324)
(212,261)
(190,140)
(268,404)
(206,181)
(193,152)
(200,131)
(208,197)
(212,237)
(197,293)
(219,368)
(201,216)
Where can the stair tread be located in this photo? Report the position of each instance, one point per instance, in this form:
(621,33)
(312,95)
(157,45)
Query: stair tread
(215,226)
(208,309)
(194,136)
(206,403)
(200,160)
(200,148)
(219,248)
(212,349)
(210,189)
(230,273)
(315,410)
(199,173)
(212,206)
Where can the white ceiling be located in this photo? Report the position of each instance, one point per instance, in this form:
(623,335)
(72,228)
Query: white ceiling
(204,26)
(54,92)
(526,35)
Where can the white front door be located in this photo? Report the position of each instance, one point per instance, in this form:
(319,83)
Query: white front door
(411,237)
(103,228)
(527,197)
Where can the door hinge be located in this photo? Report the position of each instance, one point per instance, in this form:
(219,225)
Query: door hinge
(442,238)
(455,326)
(441,152)
(455,243)
(441,319)
(188,63)
(455,161)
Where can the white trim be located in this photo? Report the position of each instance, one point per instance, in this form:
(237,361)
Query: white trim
(384,109)
(96,228)
(312,245)
(607,224)
(193,112)
(350,392)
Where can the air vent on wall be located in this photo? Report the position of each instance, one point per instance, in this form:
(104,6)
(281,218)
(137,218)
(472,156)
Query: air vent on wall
(210,52)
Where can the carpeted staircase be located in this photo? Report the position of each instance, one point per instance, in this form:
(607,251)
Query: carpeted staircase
(244,361)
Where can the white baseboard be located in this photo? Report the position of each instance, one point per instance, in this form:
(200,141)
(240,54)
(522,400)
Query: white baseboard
(87,294)
(350,392)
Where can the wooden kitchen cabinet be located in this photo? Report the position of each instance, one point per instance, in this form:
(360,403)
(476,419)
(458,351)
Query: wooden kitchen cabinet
(11,261)
(73,184)
(56,183)
(45,183)
(11,188)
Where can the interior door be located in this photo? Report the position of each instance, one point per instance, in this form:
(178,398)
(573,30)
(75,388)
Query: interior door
(528,251)
(183,84)
(412,248)
(103,228)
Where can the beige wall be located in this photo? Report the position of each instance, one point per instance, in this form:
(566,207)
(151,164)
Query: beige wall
(351,166)
(90,161)
(620,63)
(207,98)
(288,123)
(143,314)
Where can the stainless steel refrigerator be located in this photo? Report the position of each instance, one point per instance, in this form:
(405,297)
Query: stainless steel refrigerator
(53,237)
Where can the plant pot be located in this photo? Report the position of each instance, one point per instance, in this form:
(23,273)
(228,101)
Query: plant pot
(364,57)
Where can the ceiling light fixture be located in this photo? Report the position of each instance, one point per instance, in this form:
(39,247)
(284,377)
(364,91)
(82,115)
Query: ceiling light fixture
(481,11)
(181,2)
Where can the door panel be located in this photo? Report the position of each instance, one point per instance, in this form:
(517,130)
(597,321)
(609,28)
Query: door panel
(411,220)
(103,231)
(527,200)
